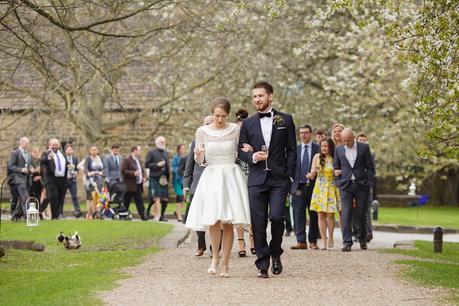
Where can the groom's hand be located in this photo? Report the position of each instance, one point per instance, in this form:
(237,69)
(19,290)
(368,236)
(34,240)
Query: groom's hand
(260,156)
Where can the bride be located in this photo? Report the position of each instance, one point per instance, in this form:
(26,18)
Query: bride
(221,197)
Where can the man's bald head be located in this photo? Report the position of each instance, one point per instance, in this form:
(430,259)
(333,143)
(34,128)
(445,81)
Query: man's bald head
(208,120)
(347,135)
(24,143)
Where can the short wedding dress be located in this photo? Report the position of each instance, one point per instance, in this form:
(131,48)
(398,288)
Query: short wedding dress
(221,194)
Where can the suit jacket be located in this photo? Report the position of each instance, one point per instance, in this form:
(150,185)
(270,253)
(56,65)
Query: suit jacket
(48,168)
(282,149)
(153,157)
(296,178)
(112,172)
(192,172)
(128,169)
(15,165)
(363,170)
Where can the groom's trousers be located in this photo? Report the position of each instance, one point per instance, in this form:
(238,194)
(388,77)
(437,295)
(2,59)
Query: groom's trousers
(262,198)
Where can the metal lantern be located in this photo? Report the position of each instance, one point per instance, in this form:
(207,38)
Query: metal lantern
(33,214)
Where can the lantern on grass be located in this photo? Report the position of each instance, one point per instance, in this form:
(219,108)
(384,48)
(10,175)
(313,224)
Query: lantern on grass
(33,214)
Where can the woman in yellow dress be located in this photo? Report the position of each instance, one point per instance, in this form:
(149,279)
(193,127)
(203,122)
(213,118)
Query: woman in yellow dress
(325,196)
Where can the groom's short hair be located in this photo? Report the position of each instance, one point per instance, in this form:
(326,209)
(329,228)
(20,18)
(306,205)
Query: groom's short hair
(263,84)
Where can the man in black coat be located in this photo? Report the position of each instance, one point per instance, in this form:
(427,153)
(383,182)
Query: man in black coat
(270,174)
(20,166)
(354,170)
(301,191)
(54,174)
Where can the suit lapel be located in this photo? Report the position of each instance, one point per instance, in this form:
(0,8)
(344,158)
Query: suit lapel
(256,122)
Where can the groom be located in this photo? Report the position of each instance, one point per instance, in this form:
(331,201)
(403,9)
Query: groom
(268,188)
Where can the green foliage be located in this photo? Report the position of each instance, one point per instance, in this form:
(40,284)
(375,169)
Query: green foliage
(433,269)
(71,277)
(425,38)
(447,217)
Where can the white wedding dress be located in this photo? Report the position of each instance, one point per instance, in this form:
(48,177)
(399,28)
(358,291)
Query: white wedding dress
(221,193)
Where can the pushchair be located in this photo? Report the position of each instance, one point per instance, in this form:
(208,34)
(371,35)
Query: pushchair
(117,209)
(109,201)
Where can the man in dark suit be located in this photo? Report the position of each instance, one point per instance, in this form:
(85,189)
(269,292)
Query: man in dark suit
(158,192)
(191,178)
(112,165)
(72,172)
(133,177)
(301,191)
(54,174)
(354,171)
(20,166)
(270,174)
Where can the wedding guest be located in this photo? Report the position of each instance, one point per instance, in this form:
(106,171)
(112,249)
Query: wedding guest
(372,196)
(158,192)
(241,114)
(301,191)
(321,134)
(36,189)
(191,177)
(177,179)
(72,173)
(354,170)
(54,175)
(337,129)
(93,170)
(133,177)
(20,164)
(221,198)
(325,196)
(112,164)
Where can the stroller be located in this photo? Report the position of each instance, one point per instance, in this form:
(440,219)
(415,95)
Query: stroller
(118,210)
(110,201)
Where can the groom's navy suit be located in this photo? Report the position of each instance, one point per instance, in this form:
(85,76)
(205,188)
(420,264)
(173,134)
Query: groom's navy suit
(354,184)
(269,188)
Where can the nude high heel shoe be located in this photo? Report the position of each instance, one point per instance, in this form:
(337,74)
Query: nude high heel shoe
(213,267)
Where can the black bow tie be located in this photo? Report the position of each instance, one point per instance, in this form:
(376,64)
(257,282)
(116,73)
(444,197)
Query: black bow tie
(264,115)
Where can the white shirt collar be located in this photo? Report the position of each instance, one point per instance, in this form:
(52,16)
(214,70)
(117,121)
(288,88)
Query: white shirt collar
(354,146)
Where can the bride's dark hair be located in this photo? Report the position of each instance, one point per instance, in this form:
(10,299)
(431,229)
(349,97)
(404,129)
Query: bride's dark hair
(221,102)
(331,150)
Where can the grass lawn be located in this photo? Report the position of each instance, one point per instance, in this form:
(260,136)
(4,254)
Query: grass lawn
(59,276)
(432,269)
(447,217)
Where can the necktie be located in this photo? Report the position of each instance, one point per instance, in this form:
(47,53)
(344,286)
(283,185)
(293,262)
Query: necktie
(116,161)
(264,115)
(56,156)
(304,167)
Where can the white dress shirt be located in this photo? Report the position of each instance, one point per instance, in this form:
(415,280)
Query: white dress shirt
(266,124)
(267,127)
(139,178)
(59,171)
(351,155)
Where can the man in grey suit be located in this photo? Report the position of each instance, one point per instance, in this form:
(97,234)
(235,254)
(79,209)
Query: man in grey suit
(112,165)
(20,165)
(191,178)
(354,171)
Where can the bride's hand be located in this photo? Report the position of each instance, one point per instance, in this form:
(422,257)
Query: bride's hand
(246,148)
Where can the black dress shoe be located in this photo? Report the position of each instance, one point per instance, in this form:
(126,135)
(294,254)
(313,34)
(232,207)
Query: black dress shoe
(277,266)
(369,237)
(363,246)
(263,273)
(163,219)
(78,214)
(346,248)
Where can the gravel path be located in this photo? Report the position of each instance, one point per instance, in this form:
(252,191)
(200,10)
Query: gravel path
(175,277)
